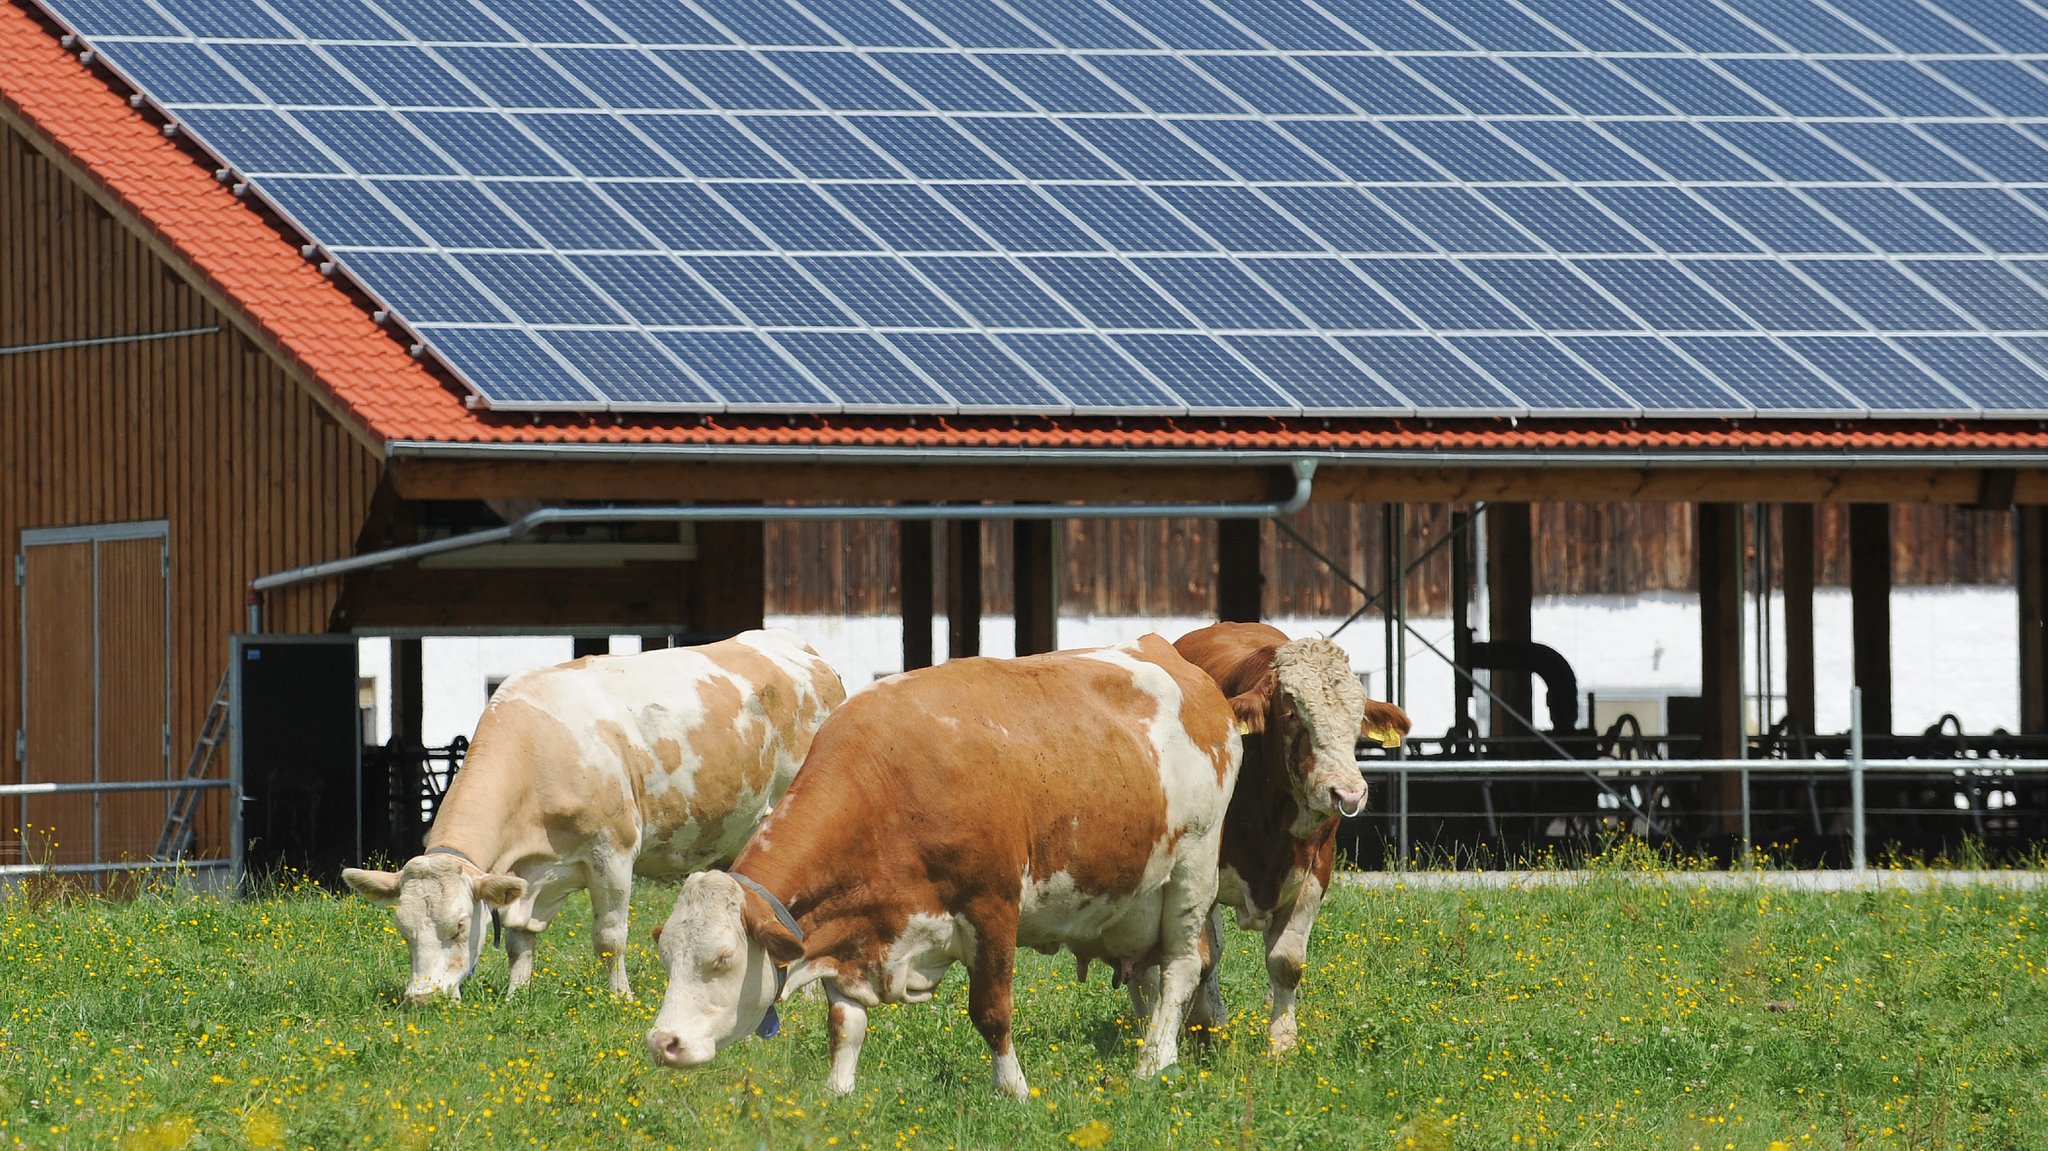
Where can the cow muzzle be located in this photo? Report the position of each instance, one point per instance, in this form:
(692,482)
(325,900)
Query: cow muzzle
(671,1050)
(1348,801)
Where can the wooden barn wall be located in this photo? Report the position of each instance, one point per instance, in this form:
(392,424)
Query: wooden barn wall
(204,432)
(1168,567)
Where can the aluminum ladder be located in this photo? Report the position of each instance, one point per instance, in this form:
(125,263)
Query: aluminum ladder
(176,839)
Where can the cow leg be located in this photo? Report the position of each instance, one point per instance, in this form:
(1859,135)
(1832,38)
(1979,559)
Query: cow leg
(1185,902)
(611,890)
(1205,1015)
(518,957)
(990,983)
(847,1027)
(1144,988)
(1286,953)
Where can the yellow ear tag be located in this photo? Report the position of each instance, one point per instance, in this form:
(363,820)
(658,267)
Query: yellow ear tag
(1244,727)
(1387,736)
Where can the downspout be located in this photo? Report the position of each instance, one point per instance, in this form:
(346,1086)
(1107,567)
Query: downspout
(1303,471)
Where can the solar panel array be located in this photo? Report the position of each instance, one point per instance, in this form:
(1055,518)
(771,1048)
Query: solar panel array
(1328,207)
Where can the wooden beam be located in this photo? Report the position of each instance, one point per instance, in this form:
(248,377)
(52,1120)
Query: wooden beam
(666,480)
(1338,483)
(2030,550)
(963,588)
(914,590)
(1240,572)
(672,480)
(1720,581)
(731,589)
(1035,569)
(1870,599)
(1796,528)
(1510,597)
(634,597)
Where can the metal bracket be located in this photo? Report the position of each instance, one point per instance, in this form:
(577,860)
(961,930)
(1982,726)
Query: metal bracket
(20,746)
(20,568)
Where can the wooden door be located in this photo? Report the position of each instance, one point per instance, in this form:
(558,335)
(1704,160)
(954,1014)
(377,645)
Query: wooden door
(96,626)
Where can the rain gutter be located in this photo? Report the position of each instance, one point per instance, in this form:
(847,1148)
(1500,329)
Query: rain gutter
(1303,471)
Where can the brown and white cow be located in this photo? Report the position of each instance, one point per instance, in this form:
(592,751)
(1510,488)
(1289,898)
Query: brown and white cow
(588,773)
(951,814)
(1302,710)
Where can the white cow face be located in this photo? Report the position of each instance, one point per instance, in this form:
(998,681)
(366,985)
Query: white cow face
(721,948)
(442,907)
(1312,710)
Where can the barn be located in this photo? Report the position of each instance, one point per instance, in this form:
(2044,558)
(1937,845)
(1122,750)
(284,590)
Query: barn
(322,319)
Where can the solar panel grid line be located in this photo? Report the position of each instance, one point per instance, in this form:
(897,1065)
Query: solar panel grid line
(1019,265)
(1124,257)
(850,126)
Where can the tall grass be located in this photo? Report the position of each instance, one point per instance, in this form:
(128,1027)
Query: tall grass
(1610,1013)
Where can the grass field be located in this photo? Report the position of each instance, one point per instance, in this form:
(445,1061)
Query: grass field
(1609,1014)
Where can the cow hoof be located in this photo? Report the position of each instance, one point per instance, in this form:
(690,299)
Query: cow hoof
(834,1086)
(1281,1044)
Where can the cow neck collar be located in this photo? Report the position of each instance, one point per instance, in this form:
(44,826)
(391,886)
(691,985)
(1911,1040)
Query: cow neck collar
(457,854)
(782,914)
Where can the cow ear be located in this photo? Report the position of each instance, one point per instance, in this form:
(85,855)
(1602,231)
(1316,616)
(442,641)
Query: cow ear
(656,933)
(499,890)
(765,929)
(375,886)
(1385,724)
(1250,706)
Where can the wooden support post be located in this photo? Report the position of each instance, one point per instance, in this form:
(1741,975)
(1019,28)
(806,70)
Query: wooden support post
(1035,567)
(1870,610)
(1720,580)
(1796,524)
(1240,575)
(963,588)
(408,721)
(1510,598)
(2030,554)
(914,590)
(1461,613)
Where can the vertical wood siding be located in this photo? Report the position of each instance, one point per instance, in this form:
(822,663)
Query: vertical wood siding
(1168,567)
(205,432)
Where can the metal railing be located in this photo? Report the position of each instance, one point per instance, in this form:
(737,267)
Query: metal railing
(233,864)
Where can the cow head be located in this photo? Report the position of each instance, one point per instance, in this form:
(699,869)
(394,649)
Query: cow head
(441,904)
(1310,709)
(722,946)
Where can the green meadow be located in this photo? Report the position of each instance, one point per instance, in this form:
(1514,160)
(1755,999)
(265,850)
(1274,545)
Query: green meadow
(1621,1012)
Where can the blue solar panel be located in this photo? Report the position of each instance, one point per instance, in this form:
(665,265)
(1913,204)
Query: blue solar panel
(1319,374)
(1884,296)
(882,292)
(1218,293)
(1988,376)
(1106,292)
(629,365)
(1629,206)
(436,289)
(796,216)
(1997,298)
(1772,295)
(1764,375)
(1092,374)
(1206,375)
(768,291)
(1441,294)
(655,290)
(1430,374)
(1877,377)
(1655,375)
(862,371)
(1329,293)
(1662,294)
(978,373)
(1541,373)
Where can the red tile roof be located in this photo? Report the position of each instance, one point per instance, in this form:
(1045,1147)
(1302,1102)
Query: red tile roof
(170,190)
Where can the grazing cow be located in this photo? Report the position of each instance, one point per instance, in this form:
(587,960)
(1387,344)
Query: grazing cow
(586,774)
(949,815)
(1304,710)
